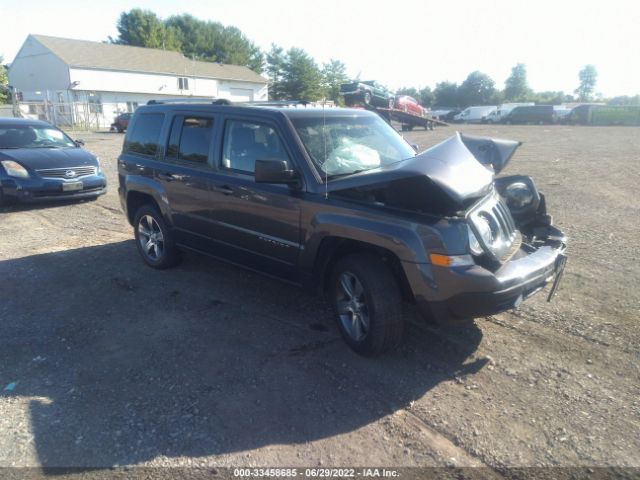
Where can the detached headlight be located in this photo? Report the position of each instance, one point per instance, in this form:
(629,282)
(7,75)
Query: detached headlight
(99,171)
(518,195)
(14,169)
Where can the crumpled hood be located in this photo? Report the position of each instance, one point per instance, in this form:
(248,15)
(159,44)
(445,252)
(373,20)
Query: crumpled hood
(38,158)
(460,168)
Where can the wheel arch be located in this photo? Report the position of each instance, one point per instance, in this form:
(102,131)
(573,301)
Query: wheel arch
(333,248)
(143,192)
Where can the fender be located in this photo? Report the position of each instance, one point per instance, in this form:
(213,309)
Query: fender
(137,183)
(408,244)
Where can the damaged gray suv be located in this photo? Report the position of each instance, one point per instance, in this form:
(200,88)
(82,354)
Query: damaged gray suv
(337,201)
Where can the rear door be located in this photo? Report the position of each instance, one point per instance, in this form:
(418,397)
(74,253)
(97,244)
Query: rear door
(258,223)
(185,173)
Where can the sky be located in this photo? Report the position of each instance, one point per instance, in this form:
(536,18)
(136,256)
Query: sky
(407,43)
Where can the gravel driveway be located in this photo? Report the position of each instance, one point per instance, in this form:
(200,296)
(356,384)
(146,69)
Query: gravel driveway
(105,362)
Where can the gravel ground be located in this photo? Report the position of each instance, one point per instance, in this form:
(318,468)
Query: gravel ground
(114,363)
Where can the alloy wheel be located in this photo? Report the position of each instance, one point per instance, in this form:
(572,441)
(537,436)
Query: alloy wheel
(352,307)
(150,237)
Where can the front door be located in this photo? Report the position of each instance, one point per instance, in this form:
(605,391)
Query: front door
(261,221)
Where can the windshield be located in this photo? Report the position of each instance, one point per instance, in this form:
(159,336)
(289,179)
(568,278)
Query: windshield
(33,136)
(351,144)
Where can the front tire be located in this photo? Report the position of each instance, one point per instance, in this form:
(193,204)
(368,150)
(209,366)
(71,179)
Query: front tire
(154,239)
(367,304)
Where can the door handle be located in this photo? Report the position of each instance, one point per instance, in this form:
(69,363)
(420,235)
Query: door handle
(224,189)
(171,176)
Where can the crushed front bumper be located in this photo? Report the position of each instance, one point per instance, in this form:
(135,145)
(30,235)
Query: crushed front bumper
(453,294)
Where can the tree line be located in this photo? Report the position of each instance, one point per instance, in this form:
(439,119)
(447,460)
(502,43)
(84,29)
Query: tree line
(294,75)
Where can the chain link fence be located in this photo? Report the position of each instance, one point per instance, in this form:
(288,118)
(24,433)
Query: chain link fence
(73,115)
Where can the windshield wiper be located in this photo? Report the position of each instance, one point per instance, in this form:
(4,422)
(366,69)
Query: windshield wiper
(338,175)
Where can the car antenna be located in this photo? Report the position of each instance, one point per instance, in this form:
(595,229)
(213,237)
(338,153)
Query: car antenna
(324,144)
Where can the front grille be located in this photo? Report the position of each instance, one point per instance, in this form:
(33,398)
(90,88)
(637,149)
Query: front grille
(66,172)
(506,239)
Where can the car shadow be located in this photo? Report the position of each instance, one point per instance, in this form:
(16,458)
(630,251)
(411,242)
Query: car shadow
(122,363)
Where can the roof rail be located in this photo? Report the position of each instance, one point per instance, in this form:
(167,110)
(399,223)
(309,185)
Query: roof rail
(217,101)
(275,103)
(224,101)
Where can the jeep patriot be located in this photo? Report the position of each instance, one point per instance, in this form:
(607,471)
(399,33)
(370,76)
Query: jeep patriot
(337,201)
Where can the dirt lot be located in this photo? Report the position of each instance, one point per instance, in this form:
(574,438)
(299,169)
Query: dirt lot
(206,364)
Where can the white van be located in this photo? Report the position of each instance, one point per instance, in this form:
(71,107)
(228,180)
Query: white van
(474,114)
(503,110)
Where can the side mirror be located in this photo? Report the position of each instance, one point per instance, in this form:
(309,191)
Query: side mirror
(79,143)
(275,171)
(415,147)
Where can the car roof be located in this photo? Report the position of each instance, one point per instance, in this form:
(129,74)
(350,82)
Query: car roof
(267,110)
(9,121)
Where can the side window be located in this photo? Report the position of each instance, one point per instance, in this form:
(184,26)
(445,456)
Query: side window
(143,138)
(246,142)
(190,139)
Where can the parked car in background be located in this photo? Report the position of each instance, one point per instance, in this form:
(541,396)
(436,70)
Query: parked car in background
(39,162)
(337,201)
(474,114)
(368,92)
(446,114)
(580,114)
(503,110)
(561,114)
(537,114)
(121,122)
(599,114)
(409,105)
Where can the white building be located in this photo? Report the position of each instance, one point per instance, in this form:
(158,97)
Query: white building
(71,80)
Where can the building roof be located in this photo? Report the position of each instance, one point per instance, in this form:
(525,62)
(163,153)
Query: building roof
(107,56)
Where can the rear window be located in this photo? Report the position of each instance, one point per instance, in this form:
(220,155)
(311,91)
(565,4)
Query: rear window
(144,136)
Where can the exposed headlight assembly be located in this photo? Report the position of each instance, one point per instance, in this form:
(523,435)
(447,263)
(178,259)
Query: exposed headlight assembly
(14,169)
(487,232)
(521,195)
(518,195)
(474,244)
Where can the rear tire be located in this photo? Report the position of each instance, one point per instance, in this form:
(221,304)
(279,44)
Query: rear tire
(367,303)
(154,240)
